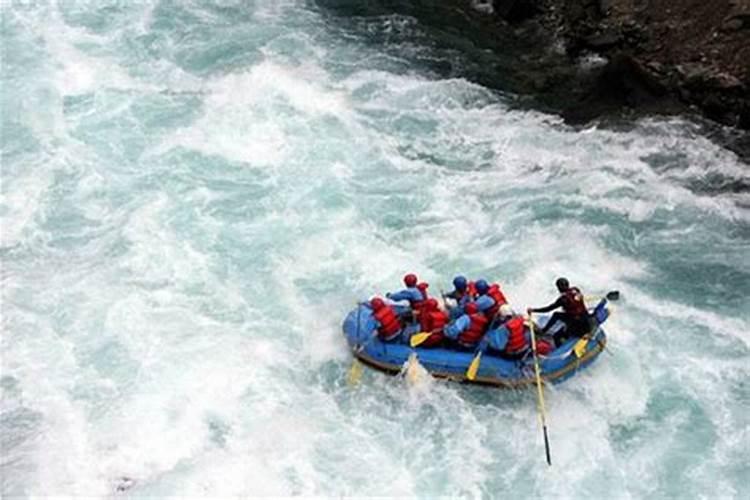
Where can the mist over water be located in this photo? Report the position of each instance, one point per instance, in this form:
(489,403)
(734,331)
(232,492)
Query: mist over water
(195,193)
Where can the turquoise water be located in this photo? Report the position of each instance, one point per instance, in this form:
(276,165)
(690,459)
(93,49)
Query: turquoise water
(195,193)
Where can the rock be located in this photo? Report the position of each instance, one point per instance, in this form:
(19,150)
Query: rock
(605,6)
(483,6)
(607,39)
(655,67)
(697,76)
(515,11)
(731,24)
(622,83)
(743,119)
(693,74)
(724,81)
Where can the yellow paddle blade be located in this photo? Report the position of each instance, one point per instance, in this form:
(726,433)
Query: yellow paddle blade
(580,347)
(471,373)
(418,338)
(355,373)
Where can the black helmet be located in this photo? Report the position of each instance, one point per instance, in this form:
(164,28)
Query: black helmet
(562,284)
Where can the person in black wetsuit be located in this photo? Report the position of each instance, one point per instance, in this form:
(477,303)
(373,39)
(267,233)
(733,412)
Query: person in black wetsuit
(574,313)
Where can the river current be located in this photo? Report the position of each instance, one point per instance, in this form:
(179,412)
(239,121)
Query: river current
(195,193)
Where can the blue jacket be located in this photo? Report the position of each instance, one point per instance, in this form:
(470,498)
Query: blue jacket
(454,329)
(412,294)
(484,302)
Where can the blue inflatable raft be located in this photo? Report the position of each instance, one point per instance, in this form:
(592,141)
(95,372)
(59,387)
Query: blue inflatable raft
(561,364)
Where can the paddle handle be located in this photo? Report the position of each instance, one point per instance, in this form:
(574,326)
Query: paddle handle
(546,446)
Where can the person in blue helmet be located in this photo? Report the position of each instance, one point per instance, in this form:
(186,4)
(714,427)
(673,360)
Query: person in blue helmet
(460,294)
(489,298)
(467,330)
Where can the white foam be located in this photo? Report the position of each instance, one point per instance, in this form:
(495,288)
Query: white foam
(181,360)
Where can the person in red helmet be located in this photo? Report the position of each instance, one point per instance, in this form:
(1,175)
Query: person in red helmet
(432,319)
(388,325)
(467,330)
(411,293)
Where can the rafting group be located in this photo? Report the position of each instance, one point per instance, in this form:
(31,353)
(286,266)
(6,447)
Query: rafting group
(476,317)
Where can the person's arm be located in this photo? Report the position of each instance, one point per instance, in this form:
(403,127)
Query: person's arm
(454,329)
(484,302)
(406,294)
(554,305)
(498,338)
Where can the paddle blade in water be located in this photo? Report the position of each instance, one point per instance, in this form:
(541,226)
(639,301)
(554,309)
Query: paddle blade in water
(471,373)
(355,373)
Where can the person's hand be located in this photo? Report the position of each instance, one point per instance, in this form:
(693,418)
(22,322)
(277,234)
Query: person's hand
(529,310)
(388,295)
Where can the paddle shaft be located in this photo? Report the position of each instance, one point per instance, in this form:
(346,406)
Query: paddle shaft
(540,392)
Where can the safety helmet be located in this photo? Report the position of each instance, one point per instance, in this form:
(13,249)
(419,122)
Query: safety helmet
(377,304)
(431,304)
(460,283)
(562,284)
(422,286)
(505,311)
(410,280)
(471,308)
(482,286)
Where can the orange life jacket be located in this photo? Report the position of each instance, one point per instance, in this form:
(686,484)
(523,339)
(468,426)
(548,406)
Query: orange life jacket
(390,326)
(516,335)
(474,333)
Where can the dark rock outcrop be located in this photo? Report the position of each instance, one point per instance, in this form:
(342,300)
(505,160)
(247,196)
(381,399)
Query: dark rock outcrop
(696,52)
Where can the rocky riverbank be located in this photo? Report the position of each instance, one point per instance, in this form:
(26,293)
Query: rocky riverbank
(584,59)
(696,52)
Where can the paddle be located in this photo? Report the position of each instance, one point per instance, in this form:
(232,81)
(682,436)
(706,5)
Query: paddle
(580,347)
(471,373)
(419,338)
(540,392)
(612,295)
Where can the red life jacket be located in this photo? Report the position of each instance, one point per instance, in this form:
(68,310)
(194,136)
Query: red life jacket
(390,326)
(516,335)
(430,321)
(433,320)
(498,297)
(474,333)
(417,305)
(572,302)
(543,347)
(471,289)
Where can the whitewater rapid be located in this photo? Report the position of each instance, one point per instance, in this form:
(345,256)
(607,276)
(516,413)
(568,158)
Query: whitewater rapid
(195,193)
